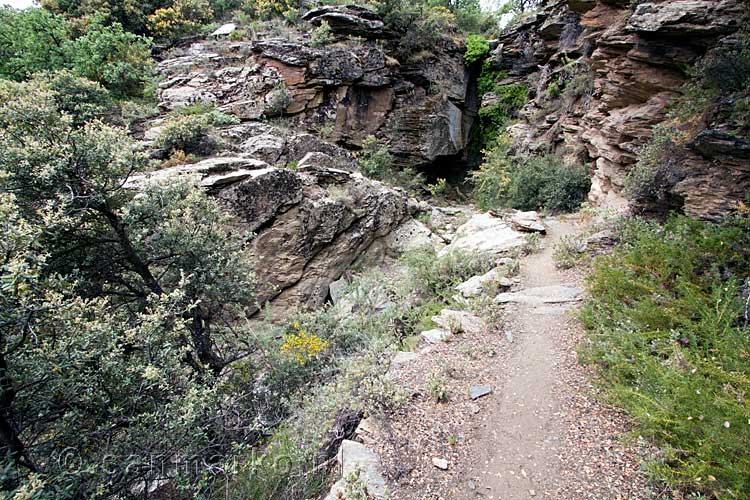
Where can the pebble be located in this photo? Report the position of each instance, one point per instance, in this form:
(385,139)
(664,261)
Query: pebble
(478,391)
(440,463)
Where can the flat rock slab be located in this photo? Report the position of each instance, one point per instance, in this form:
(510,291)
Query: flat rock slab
(459,321)
(478,391)
(529,222)
(214,172)
(555,294)
(486,235)
(435,335)
(352,456)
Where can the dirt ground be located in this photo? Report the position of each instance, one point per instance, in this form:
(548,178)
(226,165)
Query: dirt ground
(543,431)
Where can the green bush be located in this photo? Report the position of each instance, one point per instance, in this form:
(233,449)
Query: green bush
(477,47)
(118,59)
(492,180)
(528,184)
(546,183)
(209,111)
(650,179)
(184,133)
(181,18)
(81,99)
(121,355)
(186,128)
(435,277)
(493,119)
(375,159)
(667,327)
(276,101)
(321,36)
(377,162)
(34,40)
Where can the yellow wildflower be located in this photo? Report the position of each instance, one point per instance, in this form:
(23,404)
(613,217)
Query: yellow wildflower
(303,346)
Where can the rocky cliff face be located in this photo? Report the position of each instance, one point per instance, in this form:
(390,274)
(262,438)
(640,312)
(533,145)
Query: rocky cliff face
(287,172)
(604,72)
(309,225)
(351,88)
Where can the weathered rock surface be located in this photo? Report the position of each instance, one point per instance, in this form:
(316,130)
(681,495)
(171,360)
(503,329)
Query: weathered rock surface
(554,294)
(421,108)
(348,20)
(629,64)
(411,235)
(353,457)
(459,322)
(309,226)
(485,234)
(478,284)
(528,222)
(435,335)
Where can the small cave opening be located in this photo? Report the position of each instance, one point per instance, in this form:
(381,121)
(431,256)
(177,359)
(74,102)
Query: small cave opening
(452,168)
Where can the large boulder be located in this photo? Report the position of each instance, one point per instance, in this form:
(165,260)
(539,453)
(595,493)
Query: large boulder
(309,225)
(351,20)
(486,235)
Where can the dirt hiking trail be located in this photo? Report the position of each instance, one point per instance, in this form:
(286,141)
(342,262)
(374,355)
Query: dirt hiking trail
(532,445)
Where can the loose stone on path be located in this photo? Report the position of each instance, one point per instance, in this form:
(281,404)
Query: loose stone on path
(554,294)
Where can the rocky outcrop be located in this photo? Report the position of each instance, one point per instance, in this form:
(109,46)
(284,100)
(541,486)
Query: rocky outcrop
(350,20)
(309,225)
(349,89)
(616,69)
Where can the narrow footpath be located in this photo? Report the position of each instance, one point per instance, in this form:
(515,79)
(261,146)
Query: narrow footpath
(545,436)
(518,417)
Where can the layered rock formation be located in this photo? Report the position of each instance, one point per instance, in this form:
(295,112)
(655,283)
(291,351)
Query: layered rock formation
(349,89)
(617,68)
(309,225)
(287,172)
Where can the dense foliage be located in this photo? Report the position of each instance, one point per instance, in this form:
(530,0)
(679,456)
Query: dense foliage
(477,48)
(35,40)
(668,328)
(528,183)
(117,310)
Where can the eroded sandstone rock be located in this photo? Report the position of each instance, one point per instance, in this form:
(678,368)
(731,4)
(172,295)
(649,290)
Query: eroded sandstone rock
(633,61)
(486,235)
(420,108)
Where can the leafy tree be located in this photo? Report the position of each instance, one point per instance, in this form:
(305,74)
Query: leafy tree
(34,40)
(179,19)
(79,98)
(118,59)
(118,312)
(133,16)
